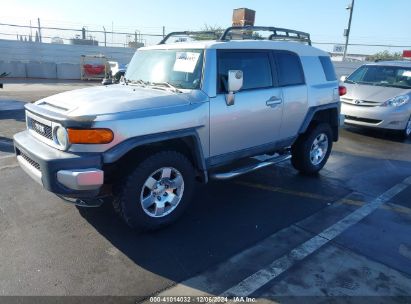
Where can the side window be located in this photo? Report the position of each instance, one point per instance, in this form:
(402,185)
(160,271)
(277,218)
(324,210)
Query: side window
(328,68)
(255,66)
(289,69)
(358,74)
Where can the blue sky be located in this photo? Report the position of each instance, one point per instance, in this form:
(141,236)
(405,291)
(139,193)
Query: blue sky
(374,21)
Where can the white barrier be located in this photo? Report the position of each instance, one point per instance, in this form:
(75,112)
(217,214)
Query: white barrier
(68,71)
(46,60)
(62,61)
(15,68)
(41,70)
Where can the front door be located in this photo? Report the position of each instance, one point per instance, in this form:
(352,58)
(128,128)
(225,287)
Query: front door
(254,121)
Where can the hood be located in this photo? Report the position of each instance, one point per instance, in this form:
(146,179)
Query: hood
(104,100)
(372,93)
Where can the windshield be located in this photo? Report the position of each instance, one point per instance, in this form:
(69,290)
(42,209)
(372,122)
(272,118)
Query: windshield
(181,69)
(389,76)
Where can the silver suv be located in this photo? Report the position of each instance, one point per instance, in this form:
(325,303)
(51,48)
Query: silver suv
(185,112)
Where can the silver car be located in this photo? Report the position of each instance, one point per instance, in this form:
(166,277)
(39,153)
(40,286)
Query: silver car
(378,96)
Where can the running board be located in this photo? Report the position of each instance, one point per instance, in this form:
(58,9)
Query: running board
(247,169)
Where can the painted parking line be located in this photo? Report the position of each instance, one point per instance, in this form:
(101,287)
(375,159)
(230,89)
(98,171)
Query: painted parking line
(233,270)
(325,198)
(260,278)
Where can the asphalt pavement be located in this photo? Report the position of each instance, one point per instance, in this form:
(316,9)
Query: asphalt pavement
(271,235)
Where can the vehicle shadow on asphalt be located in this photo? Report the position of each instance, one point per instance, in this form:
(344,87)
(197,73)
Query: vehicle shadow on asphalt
(224,218)
(18,115)
(6,145)
(379,134)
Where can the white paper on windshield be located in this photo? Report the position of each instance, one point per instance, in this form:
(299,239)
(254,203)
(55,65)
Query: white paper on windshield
(186,62)
(406,73)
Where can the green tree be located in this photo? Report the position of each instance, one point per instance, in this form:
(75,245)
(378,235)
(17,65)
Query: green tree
(218,30)
(385,55)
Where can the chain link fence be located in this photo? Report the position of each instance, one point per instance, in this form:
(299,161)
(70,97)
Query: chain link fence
(79,36)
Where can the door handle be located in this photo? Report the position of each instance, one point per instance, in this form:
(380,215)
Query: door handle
(273,101)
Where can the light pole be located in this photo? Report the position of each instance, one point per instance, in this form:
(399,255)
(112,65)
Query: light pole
(105,37)
(347,31)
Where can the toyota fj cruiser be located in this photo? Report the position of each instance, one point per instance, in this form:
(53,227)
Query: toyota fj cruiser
(185,112)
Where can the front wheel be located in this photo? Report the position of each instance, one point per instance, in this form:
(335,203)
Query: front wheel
(311,150)
(157,192)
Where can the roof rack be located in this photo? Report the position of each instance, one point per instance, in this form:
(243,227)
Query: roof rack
(277,33)
(214,34)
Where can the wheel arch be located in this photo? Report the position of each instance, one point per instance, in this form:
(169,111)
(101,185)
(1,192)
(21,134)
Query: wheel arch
(186,142)
(329,113)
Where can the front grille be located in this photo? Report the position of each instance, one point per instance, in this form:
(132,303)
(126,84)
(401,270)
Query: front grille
(360,103)
(40,128)
(360,119)
(30,161)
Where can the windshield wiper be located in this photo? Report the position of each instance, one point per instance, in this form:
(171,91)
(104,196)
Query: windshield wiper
(349,81)
(167,85)
(138,81)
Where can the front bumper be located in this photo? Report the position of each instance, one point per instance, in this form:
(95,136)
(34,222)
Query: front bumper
(376,117)
(76,175)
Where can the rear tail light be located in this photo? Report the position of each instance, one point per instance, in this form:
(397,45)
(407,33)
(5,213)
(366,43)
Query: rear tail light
(342,90)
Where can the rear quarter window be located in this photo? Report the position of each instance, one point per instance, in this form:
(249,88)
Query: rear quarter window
(289,69)
(328,68)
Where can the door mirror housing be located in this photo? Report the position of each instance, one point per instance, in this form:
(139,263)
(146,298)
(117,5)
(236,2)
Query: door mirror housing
(235,83)
(343,78)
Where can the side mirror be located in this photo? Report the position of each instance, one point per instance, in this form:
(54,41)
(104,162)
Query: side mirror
(343,78)
(235,83)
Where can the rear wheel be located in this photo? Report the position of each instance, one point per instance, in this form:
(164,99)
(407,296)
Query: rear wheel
(311,150)
(157,192)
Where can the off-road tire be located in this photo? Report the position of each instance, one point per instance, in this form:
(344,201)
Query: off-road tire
(301,149)
(127,199)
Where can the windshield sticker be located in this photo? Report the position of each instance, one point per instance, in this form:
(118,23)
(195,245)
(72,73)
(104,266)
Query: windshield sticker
(406,73)
(186,62)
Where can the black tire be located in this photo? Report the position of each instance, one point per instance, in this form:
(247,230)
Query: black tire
(301,149)
(406,133)
(127,201)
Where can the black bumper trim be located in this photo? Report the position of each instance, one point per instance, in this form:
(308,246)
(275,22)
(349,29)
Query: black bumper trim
(51,160)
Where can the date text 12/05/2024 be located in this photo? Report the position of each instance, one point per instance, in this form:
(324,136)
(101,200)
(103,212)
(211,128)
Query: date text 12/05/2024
(201,299)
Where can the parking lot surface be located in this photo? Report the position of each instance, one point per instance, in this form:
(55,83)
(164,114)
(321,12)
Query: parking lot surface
(273,234)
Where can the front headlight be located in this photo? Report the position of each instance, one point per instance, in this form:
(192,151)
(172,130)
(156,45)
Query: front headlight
(396,101)
(61,137)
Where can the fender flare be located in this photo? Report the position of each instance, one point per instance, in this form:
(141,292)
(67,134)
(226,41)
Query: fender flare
(313,110)
(115,153)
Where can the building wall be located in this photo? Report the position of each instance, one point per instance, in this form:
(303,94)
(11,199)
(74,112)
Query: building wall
(46,60)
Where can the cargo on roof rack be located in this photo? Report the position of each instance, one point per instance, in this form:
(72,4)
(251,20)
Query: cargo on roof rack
(246,32)
(200,35)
